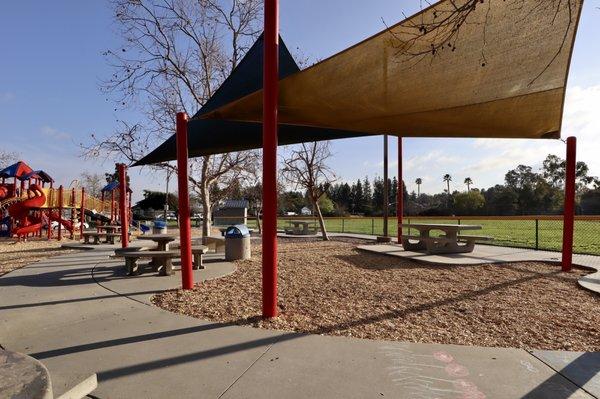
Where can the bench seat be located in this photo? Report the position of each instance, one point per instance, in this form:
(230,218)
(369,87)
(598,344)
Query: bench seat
(215,243)
(474,238)
(435,239)
(131,258)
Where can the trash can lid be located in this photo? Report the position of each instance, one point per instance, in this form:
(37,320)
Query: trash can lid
(237,231)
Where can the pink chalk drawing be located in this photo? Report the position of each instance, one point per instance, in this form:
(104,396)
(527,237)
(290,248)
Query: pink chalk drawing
(468,389)
(456,370)
(442,356)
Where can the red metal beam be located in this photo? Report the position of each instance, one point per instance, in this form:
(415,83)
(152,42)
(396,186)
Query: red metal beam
(185,228)
(399,192)
(123,204)
(569,208)
(270,105)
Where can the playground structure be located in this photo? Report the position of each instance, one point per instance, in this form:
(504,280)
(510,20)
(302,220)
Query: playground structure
(27,206)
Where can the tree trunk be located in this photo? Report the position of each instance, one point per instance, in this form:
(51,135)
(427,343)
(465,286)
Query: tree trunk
(317,209)
(258,225)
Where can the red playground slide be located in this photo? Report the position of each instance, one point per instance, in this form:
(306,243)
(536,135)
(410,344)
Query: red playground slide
(20,212)
(55,217)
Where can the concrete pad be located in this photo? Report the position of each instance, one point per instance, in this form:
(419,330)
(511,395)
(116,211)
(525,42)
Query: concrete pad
(79,315)
(582,368)
(484,254)
(336,367)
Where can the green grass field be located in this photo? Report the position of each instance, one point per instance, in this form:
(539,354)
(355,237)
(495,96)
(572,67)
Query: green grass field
(513,233)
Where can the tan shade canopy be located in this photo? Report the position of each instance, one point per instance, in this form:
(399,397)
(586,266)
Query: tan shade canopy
(501,75)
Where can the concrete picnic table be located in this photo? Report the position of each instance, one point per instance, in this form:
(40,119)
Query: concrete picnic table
(23,376)
(446,243)
(162,244)
(300,227)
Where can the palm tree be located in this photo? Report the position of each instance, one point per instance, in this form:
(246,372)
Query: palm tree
(468,182)
(419,181)
(448,179)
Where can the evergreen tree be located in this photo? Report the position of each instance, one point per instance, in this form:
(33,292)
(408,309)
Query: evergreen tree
(367,197)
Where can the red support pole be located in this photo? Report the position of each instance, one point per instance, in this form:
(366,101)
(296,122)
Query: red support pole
(60,209)
(82,212)
(270,106)
(399,192)
(185,228)
(122,169)
(73,208)
(49,224)
(112,207)
(569,208)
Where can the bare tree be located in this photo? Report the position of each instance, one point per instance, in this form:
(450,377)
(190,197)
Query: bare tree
(176,53)
(93,183)
(306,167)
(7,158)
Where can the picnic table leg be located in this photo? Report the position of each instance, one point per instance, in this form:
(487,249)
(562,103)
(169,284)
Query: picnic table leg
(96,240)
(167,269)
(132,267)
(198,261)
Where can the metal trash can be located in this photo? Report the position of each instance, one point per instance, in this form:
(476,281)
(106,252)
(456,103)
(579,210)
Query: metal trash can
(159,227)
(237,242)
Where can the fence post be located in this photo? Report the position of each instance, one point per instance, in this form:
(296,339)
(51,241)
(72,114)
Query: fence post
(343,225)
(537,234)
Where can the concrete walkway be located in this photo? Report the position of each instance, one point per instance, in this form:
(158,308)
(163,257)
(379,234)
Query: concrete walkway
(79,314)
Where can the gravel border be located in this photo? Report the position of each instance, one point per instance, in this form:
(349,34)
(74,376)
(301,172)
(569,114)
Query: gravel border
(17,254)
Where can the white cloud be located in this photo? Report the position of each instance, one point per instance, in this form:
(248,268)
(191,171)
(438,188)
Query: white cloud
(429,160)
(54,133)
(6,96)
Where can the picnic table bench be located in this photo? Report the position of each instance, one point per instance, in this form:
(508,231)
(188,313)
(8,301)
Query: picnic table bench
(162,261)
(215,243)
(449,242)
(109,238)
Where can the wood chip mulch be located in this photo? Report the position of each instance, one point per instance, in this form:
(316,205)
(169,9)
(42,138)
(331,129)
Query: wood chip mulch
(333,288)
(14,255)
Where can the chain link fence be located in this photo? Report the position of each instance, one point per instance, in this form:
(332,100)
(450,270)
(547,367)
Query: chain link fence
(531,232)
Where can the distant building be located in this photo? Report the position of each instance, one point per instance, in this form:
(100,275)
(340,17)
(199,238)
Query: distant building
(306,211)
(231,212)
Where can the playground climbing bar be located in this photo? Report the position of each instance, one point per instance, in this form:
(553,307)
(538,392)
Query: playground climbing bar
(185,228)
(270,105)
(569,208)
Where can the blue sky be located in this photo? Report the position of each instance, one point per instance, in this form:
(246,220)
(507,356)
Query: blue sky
(51,62)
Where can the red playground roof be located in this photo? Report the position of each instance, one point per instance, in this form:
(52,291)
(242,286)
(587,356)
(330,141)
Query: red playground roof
(16,170)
